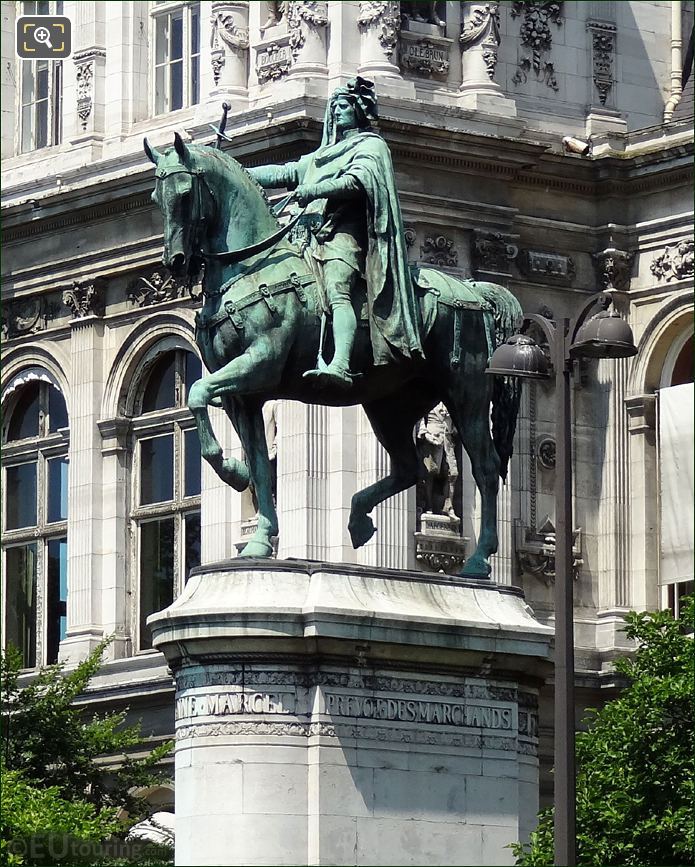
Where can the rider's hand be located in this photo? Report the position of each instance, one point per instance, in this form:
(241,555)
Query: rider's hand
(304,194)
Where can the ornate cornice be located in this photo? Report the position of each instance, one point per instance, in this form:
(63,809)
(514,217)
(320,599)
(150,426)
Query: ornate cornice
(86,298)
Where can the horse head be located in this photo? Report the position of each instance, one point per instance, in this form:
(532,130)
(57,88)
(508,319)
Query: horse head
(186,203)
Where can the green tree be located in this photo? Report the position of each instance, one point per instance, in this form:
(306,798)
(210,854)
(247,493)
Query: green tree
(66,772)
(635,761)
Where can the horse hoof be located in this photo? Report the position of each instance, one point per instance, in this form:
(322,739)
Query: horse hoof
(361,530)
(255,548)
(476,567)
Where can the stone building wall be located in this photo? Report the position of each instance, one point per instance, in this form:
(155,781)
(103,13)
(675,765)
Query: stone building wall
(474,111)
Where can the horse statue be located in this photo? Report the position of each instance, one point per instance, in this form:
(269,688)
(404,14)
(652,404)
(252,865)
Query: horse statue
(261,326)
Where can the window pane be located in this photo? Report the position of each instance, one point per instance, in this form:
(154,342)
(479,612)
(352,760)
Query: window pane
(42,79)
(160,97)
(176,72)
(20,496)
(157,469)
(57,127)
(41,124)
(195,28)
(195,80)
(20,603)
(57,411)
(27,82)
(156,572)
(160,392)
(27,120)
(192,541)
(194,370)
(57,490)
(191,450)
(24,421)
(176,36)
(43,7)
(57,619)
(161,39)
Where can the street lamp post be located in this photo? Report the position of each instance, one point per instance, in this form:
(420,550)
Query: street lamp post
(604,335)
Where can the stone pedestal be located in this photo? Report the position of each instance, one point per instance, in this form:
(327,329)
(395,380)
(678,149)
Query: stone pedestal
(332,714)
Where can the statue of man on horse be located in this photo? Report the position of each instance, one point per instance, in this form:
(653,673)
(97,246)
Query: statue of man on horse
(352,213)
(266,296)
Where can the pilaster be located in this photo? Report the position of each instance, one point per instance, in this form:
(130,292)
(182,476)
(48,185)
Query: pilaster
(127,80)
(9,92)
(379,24)
(229,51)
(89,61)
(307,22)
(480,39)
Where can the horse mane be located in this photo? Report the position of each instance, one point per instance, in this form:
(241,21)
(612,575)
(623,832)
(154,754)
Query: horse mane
(229,162)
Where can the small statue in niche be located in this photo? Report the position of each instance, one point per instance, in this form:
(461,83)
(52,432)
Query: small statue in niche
(435,443)
(422,12)
(276,10)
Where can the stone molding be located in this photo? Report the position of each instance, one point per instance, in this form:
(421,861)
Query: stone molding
(675,263)
(537,37)
(539,266)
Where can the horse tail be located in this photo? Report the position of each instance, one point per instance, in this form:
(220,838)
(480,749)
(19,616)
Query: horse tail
(503,317)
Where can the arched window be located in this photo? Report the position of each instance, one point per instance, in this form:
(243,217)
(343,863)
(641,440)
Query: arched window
(676,474)
(166,485)
(35,512)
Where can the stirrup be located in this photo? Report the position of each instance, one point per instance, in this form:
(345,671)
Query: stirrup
(327,373)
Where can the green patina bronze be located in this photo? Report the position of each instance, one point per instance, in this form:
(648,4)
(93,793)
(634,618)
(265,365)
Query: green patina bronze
(334,280)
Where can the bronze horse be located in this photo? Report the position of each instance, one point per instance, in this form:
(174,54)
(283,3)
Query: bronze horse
(260,329)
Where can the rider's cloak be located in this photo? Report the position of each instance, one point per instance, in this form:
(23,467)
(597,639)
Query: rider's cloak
(393,309)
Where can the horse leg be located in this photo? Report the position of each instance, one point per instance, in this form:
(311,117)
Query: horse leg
(471,415)
(232,472)
(240,376)
(393,419)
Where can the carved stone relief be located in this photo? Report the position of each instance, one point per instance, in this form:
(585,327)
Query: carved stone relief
(384,15)
(84,78)
(439,250)
(86,298)
(535,551)
(540,266)
(483,29)
(614,268)
(492,252)
(155,288)
(425,55)
(603,49)
(675,263)
(225,32)
(537,37)
(21,316)
(273,61)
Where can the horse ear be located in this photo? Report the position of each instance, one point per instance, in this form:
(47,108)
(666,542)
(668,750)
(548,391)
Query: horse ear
(180,147)
(152,153)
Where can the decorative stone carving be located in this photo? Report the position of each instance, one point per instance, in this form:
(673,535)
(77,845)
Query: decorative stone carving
(276,12)
(384,16)
(21,316)
(156,288)
(537,37)
(675,263)
(535,550)
(425,55)
(84,78)
(439,250)
(613,268)
(303,15)
(603,48)
(546,451)
(540,266)
(435,440)
(227,34)
(482,29)
(410,234)
(273,61)
(86,298)
(492,252)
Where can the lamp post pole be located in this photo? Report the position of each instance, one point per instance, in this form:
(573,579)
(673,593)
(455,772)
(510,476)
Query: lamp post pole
(565,788)
(604,335)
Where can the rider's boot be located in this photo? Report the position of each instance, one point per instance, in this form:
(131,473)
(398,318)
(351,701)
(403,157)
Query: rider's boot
(344,330)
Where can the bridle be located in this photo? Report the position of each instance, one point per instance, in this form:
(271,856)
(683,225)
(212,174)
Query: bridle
(199,218)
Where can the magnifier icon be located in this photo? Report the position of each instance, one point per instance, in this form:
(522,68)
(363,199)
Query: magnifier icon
(43,36)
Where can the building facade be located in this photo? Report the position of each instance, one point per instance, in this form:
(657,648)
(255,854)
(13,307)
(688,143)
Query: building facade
(106,506)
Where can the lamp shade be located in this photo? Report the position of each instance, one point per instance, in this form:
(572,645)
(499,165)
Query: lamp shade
(605,335)
(519,356)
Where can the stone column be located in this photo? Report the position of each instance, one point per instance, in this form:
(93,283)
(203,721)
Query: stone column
(89,59)
(307,23)
(332,714)
(480,39)
(9,88)
(221,506)
(85,627)
(229,50)
(379,23)
(114,592)
(127,88)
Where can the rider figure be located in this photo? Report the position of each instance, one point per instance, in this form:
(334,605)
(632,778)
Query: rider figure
(349,188)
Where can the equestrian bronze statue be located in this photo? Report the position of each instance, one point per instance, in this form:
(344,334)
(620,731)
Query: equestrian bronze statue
(332,281)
